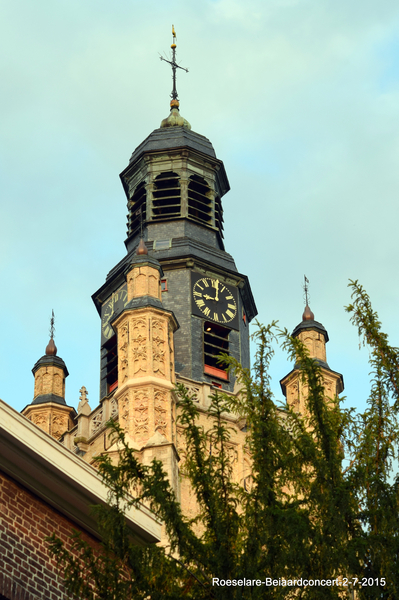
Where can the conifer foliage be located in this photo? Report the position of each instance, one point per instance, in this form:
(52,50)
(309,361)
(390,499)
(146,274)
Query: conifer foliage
(303,513)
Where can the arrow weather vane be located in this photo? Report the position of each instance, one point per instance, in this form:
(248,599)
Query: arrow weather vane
(174,65)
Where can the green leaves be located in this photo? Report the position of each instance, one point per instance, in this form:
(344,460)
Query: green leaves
(298,514)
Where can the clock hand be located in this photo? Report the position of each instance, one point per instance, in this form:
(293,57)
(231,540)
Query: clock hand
(207,297)
(217,290)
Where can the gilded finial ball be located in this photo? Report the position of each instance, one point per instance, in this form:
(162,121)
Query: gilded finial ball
(51,349)
(174,103)
(141,248)
(307,314)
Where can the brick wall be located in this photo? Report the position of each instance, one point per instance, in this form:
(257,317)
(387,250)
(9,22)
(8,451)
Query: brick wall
(26,570)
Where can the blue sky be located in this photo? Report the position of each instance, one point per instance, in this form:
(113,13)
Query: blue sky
(300,100)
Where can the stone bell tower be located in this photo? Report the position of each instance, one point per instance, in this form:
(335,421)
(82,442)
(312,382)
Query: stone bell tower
(48,408)
(314,336)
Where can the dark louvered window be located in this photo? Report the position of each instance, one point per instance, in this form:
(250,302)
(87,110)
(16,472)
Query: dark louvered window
(166,196)
(199,200)
(137,209)
(219,215)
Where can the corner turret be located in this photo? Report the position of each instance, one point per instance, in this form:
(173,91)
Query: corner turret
(314,336)
(48,408)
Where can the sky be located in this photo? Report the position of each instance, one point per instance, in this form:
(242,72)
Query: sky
(300,101)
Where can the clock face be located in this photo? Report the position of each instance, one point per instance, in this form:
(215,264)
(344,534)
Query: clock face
(111,307)
(214,300)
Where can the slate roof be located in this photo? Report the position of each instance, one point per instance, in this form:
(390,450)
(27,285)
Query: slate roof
(173,137)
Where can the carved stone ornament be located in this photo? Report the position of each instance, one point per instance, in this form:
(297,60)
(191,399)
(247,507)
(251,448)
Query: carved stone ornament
(140,413)
(123,351)
(97,421)
(139,346)
(57,381)
(124,408)
(160,410)
(193,392)
(293,394)
(114,408)
(181,446)
(83,406)
(38,385)
(41,420)
(158,347)
(59,425)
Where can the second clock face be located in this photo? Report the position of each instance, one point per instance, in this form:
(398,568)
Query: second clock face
(214,300)
(110,309)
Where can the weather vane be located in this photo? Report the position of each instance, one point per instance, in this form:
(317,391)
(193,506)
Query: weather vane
(306,290)
(52,328)
(174,65)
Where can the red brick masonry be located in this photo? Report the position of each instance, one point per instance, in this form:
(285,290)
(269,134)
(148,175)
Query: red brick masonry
(26,570)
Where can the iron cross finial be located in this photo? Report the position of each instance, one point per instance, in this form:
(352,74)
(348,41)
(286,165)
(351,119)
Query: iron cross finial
(174,66)
(52,328)
(306,290)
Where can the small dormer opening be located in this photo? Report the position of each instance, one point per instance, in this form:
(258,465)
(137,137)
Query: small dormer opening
(199,200)
(166,195)
(219,215)
(137,209)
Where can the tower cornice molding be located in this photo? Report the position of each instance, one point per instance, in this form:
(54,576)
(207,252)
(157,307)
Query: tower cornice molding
(141,382)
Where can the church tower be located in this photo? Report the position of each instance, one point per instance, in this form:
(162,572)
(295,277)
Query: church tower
(314,336)
(48,408)
(171,305)
(174,185)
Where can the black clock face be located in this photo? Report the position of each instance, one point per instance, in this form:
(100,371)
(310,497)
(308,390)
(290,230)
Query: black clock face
(111,307)
(214,300)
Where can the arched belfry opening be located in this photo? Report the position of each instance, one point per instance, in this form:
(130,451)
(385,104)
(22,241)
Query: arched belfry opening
(166,196)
